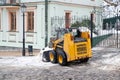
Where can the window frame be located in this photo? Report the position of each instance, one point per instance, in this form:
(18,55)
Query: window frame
(12,1)
(13,21)
(0,22)
(67,19)
(30,21)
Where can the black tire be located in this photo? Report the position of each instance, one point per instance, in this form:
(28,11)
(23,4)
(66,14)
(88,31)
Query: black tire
(45,56)
(53,56)
(62,59)
(85,60)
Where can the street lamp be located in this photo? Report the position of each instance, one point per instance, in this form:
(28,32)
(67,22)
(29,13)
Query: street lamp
(91,21)
(23,9)
(46,22)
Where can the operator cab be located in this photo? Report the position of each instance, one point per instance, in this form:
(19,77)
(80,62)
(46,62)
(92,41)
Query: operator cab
(77,34)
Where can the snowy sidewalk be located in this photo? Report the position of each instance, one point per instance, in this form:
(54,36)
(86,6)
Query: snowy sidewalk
(17,53)
(101,56)
(29,61)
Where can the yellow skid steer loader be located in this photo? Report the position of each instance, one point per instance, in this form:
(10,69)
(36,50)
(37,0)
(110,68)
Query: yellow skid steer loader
(69,45)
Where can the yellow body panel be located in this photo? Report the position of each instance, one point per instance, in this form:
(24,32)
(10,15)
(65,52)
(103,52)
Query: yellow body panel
(69,47)
(77,50)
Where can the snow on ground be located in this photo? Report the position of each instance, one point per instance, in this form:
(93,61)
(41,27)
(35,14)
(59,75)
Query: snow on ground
(103,58)
(30,61)
(106,58)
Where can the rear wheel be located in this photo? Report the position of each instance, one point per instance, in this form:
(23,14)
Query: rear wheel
(53,56)
(62,59)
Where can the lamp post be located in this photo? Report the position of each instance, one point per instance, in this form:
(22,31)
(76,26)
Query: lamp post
(91,19)
(23,9)
(46,22)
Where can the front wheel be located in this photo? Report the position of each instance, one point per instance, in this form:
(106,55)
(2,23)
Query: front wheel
(53,56)
(62,60)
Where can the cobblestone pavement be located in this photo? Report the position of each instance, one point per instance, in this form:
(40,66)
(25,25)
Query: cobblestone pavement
(96,69)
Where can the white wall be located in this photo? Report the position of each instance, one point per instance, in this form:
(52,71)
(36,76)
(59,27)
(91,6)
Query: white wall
(38,38)
(31,0)
(83,2)
(75,10)
(40,20)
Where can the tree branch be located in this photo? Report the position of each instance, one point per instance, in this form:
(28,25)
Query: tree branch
(111,3)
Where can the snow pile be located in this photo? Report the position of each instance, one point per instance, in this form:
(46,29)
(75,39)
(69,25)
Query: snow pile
(27,61)
(39,57)
(83,29)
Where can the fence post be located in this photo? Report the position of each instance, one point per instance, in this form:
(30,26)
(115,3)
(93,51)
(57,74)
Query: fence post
(91,21)
(46,22)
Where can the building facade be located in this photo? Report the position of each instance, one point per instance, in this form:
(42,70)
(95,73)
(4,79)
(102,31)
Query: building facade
(11,19)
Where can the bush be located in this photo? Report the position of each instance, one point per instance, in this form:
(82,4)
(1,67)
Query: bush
(85,23)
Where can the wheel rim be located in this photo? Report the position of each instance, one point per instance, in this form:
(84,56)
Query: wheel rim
(51,56)
(60,58)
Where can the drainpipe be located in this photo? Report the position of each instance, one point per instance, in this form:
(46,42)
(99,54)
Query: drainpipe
(46,22)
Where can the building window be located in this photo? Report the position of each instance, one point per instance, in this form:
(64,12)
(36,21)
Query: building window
(30,21)
(12,1)
(67,20)
(0,21)
(12,21)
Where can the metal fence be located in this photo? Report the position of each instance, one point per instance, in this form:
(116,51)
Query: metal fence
(62,22)
(112,26)
(107,36)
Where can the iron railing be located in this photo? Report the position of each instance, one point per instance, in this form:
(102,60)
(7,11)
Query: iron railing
(102,37)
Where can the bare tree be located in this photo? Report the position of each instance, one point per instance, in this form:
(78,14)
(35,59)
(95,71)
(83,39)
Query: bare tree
(112,2)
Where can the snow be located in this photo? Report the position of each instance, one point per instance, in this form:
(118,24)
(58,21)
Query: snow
(100,31)
(108,58)
(97,48)
(110,61)
(30,61)
(112,58)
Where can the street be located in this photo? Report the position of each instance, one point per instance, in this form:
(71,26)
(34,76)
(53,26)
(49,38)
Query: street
(104,65)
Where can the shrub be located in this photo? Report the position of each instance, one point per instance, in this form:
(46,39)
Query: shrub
(85,23)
